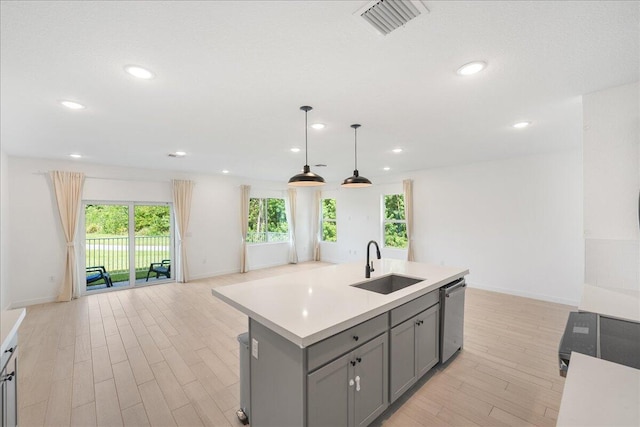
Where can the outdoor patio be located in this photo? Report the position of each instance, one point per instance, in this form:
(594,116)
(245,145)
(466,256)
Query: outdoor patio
(113,253)
(125,283)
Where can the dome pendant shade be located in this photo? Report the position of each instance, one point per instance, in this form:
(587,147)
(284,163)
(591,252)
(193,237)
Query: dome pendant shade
(356,181)
(306,178)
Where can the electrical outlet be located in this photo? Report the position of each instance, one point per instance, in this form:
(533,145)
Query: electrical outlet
(254,347)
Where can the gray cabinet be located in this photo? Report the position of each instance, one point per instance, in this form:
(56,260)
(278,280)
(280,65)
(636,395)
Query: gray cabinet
(347,379)
(414,349)
(8,387)
(352,390)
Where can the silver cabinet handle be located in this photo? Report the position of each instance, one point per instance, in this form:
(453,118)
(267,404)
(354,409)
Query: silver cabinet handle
(358,383)
(351,383)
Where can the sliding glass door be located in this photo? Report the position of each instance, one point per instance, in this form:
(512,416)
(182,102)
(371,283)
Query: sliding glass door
(127,244)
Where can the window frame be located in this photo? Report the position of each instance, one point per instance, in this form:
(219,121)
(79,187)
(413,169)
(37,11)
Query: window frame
(332,220)
(384,221)
(266,207)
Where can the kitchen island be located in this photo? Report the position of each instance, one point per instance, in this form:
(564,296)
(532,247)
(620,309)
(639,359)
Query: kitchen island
(598,392)
(323,350)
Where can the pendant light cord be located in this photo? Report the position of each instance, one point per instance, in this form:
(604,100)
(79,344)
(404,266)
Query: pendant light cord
(306,130)
(355,146)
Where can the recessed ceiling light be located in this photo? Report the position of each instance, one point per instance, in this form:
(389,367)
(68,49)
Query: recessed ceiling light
(397,150)
(295,150)
(75,156)
(139,72)
(181,153)
(521,125)
(225,171)
(471,68)
(318,125)
(386,168)
(73,105)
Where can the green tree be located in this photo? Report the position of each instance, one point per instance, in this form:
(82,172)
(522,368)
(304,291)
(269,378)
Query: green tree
(267,220)
(395,227)
(329,225)
(114,220)
(107,219)
(152,220)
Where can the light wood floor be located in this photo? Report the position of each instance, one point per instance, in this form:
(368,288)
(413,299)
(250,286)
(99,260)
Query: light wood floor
(167,355)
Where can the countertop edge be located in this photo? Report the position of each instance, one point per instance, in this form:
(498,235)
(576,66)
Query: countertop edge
(15,317)
(307,341)
(622,304)
(599,392)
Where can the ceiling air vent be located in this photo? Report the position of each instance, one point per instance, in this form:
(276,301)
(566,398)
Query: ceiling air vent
(387,15)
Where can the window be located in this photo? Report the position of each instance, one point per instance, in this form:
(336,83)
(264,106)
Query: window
(267,221)
(395,223)
(329,226)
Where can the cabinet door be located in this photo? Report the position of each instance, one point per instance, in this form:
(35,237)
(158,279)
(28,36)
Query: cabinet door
(371,377)
(427,340)
(8,394)
(329,395)
(3,400)
(403,358)
(12,393)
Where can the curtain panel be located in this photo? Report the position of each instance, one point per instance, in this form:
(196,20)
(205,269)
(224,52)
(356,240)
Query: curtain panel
(291,220)
(317,218)
(407,186)
(182,193)
(244,227)
(67,187)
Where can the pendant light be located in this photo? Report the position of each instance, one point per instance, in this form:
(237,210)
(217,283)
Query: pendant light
(356,181)
(306,178)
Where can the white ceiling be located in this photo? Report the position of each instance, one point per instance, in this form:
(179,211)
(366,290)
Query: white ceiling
(231,76)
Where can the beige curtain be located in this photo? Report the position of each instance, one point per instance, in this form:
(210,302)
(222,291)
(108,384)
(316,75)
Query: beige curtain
(407,186)
(182,192)
(291,219)
(317,217)
(244,222)
(67,187)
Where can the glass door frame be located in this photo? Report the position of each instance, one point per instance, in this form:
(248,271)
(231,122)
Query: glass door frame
(81,243)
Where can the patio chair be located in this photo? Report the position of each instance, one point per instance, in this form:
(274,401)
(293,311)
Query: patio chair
(160,268)
(98,273)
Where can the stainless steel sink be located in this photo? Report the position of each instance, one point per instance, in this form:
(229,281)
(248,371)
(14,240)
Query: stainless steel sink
(387,284)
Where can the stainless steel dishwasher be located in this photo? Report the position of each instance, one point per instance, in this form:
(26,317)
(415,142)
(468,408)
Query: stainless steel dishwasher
(451,318)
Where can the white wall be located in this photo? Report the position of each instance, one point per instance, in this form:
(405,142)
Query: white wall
(516,224)
(5,297)
(611,185)
(358,221)
(35,244)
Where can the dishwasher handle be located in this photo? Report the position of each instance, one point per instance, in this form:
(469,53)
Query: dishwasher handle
(455,288)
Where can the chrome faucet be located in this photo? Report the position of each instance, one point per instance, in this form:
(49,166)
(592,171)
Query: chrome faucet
(369,268)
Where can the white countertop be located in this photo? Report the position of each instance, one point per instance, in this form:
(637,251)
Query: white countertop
(10,321)
(600,393)
(309,306)
(611,302)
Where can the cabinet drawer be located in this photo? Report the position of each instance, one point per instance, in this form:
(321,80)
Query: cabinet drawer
(332,347)
(6,355)
(410,309)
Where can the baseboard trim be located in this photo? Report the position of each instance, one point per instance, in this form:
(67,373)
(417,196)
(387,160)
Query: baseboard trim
(213,274)
(28,302)
(518,293)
